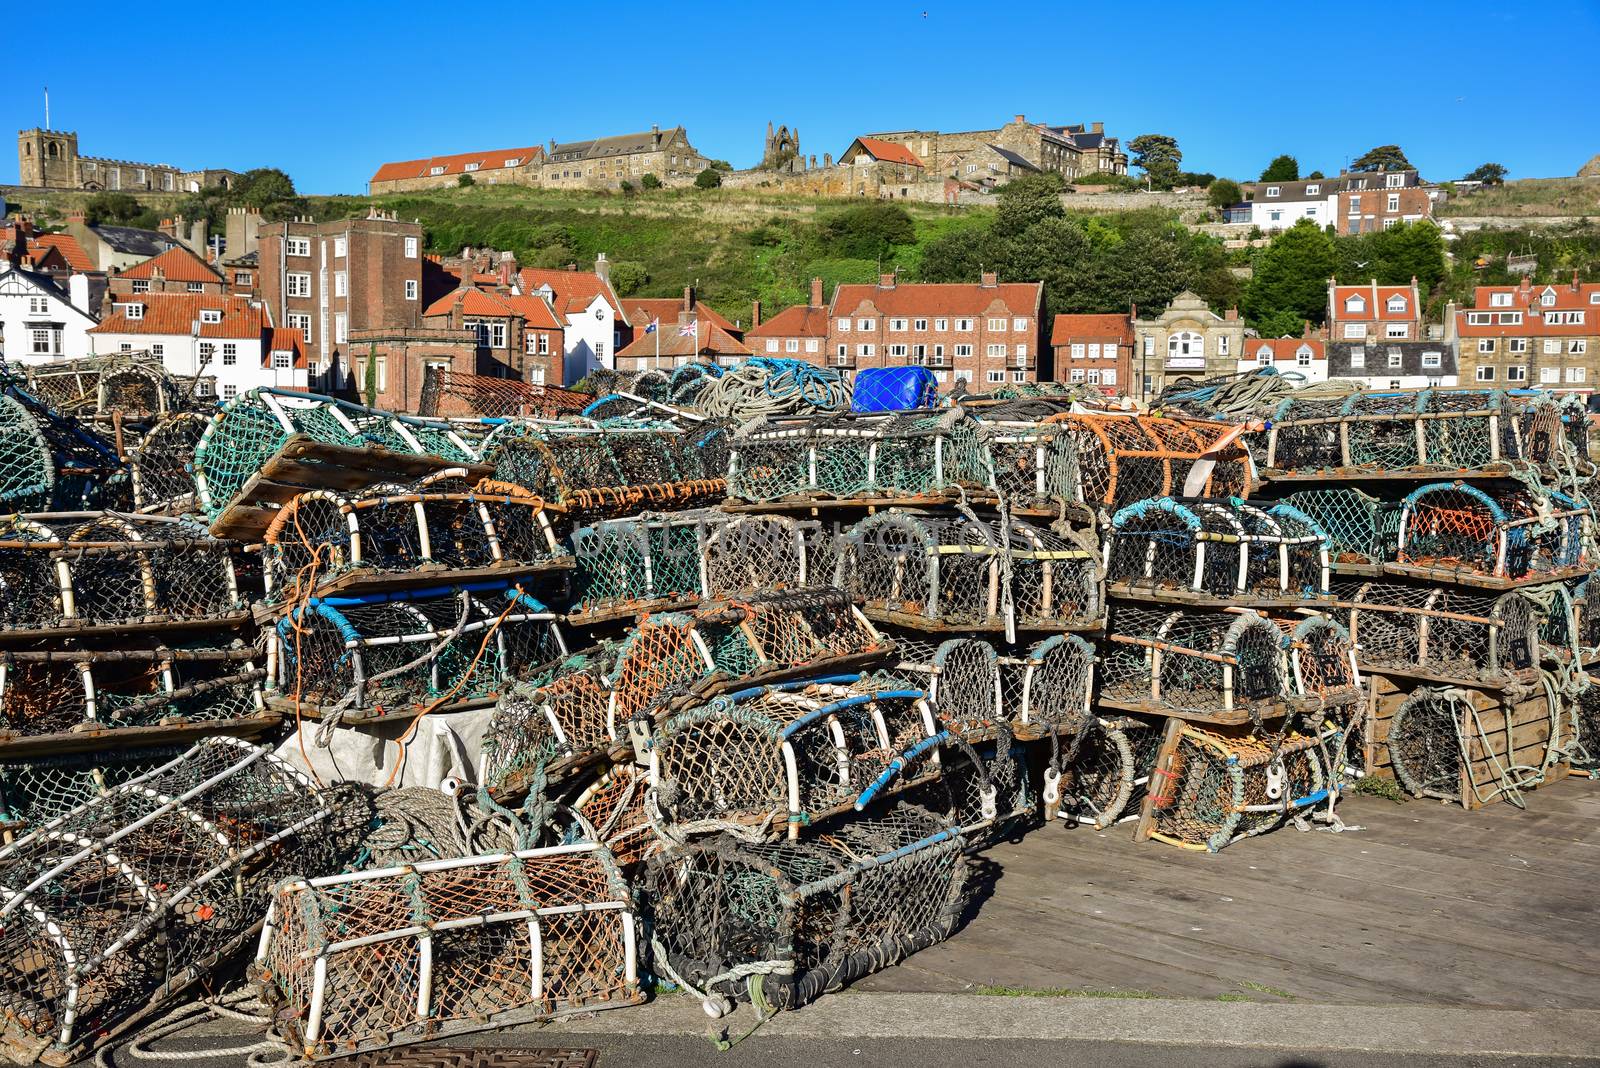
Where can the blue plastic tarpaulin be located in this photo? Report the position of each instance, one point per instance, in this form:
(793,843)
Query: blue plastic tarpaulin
(894,389)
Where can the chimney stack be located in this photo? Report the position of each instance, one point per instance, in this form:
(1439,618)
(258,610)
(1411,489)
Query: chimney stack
(988,280)
(508,268)
(755,314)
(886,281)
(655,135)
(1231,315)
(688,298)
(602,267)
(1022,118)
(1097,127)
(816,293)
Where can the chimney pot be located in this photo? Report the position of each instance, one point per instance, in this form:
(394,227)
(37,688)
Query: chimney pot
(816,293)
(1231,315)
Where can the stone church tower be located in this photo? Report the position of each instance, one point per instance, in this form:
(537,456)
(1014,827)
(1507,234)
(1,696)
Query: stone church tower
(48,158)
(782,151)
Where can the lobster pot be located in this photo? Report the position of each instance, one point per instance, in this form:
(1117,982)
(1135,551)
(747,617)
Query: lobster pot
(952,572)
(393,649)
(1361,529)
(45,693)
(1089,779)
(113,909)
(444,521)
(750,554)
(632,565)
(1035,465)
(1473,748)
(1057,683)
(961,677)
(337,441)
(1587,625)
(790,754)
(564,461)
(456,394)
(37,789)
(1586,728)
(1322,663)
(1216,790)
(845,456)
(613,805)
(781,924)
(1453,528)
(162,465)
(1128,458)
(1443,633)
(1222,549)
(1559,636)
(70,571)
(391,956)
(1200,664)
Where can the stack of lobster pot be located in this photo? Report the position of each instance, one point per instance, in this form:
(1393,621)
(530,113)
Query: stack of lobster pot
(1460,536)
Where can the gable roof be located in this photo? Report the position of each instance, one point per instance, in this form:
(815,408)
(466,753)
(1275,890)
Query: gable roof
(709,339)
(571,291)
(493,159)
(940,298)
(44,284)
(133,241)
(802,320)
(282,339)
(1283,348)
(617,145)
(177,264)
(1069,328)
(884,151)
(176,314)
(531,308)
(642,309)
(1382,295)
(68,246)
(1013,158)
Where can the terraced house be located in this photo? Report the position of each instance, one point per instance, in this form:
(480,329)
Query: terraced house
(500,166)
(1530,335)
(607,162)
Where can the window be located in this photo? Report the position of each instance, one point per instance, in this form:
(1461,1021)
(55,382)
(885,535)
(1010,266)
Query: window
(1094,376)
(282,360)
(1185,344)
(194,287)
(340,284)
(1552,346)
(1394,202)
(1396,330)
(962,351)
(897,325)
(158,350)
(1394,181)
(544,345)
(1396,305)
(997,326)
(208,352)
(772,344)
(919,324)
(1577,374)
(997,376)
(995,350)
(411,289)
(299,246)
(866,324)
(1094,351)
(1021,352)
(1355,306)
(1019,376)
(1077,350)
(842,360)
(1222,345)
(938,355)
(1396,359)
(1394,383)
(1108,377)
(300,321)
(1313,190)
(339,248)
(210,315)
(472,166)
(299,285)
(1355,205)
(497,335)
(1549,375)
(1510,318)
(1547,299)
(339,330)
(844,326)
(1149,345)
(43,341)
(941,324)
(1275,215)
(141,286)
(1272,190)
(1431,359)
(1517,344)
(811,344)
(963,325)
(1578,348)
(1358,357)
(1516,374)
(1485,374)
(1479,318)
(1302,356)
(202,387)
(241,278)
(411,248)
(514,161)
(230,354)
(866,350)
(1486,344)
(1019,325)
(1355,330)
(229,391)
(1264,356)
(898,351)
(435,171)
(1594,298)
(133,311)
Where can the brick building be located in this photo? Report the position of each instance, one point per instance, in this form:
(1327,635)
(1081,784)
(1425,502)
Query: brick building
(1377,334)
(515,335)
(984,334)
(1094,349)
(1187,340)
(797,333)
(1374,313)
(331,279)
(1530,335)
(504,166)
(641,311)
(176,270)
(49,159)
(1381,199)
(691,338)
(607,162)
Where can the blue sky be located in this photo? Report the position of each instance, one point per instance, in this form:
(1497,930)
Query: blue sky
(327,92)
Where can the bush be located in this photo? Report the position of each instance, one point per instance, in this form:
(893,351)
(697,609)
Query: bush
(866,232)
(627,277)
(650,181)
(1223,193)
(465,180)
(710,178)
(626,187)
(111,208)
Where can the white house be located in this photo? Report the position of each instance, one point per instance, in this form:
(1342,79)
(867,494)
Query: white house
(592,314)
(40,321)
(1303,356)
(228,339)
(1279,205)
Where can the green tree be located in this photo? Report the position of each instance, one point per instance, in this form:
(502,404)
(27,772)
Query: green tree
(1027,201)
(261,187)
(627,277)
(1314,175)
(1382,158)
(626,187)
(1158,156)
(465,180)
(961,256)
(111,208)
(370,385)
(1280,324)
(1291,275)
(1054,251)
(865,232)
(1224,192)
(650,181)
(709,178)
(1488,174)
(1283,168)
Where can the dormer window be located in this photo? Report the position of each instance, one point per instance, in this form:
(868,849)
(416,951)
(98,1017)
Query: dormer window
(1272,190)
(1302,356)
(1397,305)
(1355,306)
(1264,357)
(210,315)
(1499,300)
(435,170)
(1395,181)
(1547,299)
(514,161)
(472,166)
(1313,190)
(133,311)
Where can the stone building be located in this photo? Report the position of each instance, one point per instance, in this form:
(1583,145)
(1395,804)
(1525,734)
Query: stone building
(49,159)
(1187,340)
(1530,335)
(881,168)
(1073,151)
(781,151)
(505,166)
(607,162)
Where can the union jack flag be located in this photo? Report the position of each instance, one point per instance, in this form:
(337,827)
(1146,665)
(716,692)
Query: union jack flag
(690,329)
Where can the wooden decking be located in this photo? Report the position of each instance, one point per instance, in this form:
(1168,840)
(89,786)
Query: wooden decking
(1428,904)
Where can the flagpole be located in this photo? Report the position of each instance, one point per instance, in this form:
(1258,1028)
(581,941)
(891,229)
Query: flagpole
(655,328)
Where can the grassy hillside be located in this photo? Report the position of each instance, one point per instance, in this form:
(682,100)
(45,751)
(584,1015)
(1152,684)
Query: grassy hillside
(1529,198)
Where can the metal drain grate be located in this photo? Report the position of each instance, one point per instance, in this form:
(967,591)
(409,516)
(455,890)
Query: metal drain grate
(456,1057)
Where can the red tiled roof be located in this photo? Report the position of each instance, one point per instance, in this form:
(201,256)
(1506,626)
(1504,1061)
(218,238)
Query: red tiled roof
(641,310)
(1365,292)
(889,152)
(175,314)
(711,339)
(177,264)
(1069,328)
(573,291)
(457,164)
(1282,348)
(802,320)
(68,246)
(1582,297)
(281,339)
(533,309)
(943,299)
